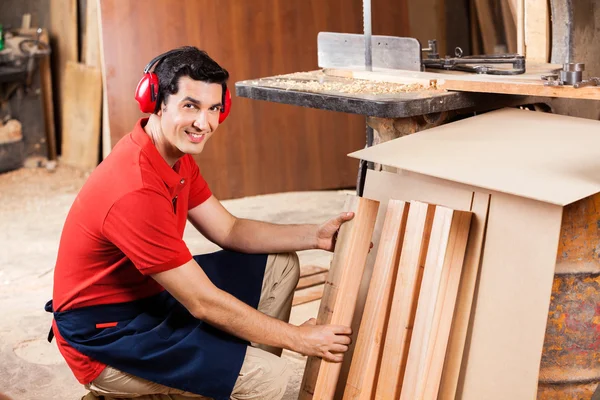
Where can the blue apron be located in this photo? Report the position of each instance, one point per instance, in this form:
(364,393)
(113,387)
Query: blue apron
(157,339)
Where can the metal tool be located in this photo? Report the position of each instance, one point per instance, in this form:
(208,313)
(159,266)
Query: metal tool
(571,74)
(471,63)
(367,31)
(344,50)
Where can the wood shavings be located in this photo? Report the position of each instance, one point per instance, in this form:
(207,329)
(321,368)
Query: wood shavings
(344,85)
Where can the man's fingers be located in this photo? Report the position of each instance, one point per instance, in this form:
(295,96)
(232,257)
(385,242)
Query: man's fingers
(341,330)
(343,339)
(338,348)
(346,216)
(337,358)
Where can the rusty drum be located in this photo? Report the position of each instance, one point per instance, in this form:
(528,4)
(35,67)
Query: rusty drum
(570,367)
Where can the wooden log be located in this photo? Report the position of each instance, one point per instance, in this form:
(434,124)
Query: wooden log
(464,302)
(367,352)
(341,291)
(435,309)
(404,300)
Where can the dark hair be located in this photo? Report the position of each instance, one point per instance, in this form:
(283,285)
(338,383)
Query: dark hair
(186,61)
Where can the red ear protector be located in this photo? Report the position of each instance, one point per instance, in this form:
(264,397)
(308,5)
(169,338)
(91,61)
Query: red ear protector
(146,92)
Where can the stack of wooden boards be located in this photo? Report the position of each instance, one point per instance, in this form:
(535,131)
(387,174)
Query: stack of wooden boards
(403,338)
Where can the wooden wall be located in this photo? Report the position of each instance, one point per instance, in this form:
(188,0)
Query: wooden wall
(263,147)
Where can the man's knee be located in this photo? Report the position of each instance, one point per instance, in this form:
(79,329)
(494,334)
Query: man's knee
(290,267)
(263,376)
(283,271)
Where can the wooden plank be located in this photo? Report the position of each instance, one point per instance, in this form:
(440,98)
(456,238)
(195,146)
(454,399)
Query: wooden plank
(91,42)
(307,295)
(525,84)
(487,25)
(506,337)
(63,32)
(367,353)
(404,301)
(426,20)
(48,101)
(383,186)
(520,13)
(537,31)
(311,280)
(307,270)
(445,307)
(476,45)
(105,134)
(435,309)
(510,25)
(458,335)
(81,117)
(341,290)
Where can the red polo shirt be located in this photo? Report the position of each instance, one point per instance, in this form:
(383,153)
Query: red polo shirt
(125,224)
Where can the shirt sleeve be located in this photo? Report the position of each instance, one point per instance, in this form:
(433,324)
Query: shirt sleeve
(143,225)
(199,190)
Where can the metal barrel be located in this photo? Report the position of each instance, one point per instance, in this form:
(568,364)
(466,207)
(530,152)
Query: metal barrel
(570,366)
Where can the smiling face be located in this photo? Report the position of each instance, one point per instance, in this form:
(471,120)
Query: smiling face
(189,118)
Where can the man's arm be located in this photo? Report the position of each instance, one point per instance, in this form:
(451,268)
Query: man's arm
(192,288)
(250,236)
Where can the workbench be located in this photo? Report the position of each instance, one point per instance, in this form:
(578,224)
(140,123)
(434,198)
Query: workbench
(391,111)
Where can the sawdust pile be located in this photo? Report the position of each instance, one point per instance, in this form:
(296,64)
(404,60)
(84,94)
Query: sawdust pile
(36,189)
(352,86)
(319,82)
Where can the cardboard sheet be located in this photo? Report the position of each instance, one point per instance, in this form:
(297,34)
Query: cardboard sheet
(546,157)
(511,307)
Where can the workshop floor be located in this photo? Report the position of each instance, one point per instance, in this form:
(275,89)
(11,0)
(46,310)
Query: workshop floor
(33,205)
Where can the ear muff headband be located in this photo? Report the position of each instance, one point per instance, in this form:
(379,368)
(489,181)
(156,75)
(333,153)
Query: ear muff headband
(146,92)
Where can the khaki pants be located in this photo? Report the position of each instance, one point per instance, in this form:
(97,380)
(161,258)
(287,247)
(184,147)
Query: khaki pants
(264,374)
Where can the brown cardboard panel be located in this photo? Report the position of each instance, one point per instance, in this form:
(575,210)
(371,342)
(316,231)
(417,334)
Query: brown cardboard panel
(546,157)
(503,351)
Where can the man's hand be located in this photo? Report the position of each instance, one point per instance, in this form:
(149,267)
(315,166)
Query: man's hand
(326,341)
(327,233)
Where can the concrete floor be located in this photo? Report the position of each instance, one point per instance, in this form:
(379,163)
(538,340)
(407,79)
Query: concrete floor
(33,206)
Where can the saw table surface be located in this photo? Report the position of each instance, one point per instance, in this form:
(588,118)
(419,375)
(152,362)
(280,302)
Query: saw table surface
(376,99)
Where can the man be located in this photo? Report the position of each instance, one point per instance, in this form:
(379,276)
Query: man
(135,315)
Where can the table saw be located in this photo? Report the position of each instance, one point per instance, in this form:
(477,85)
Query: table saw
(403,87)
